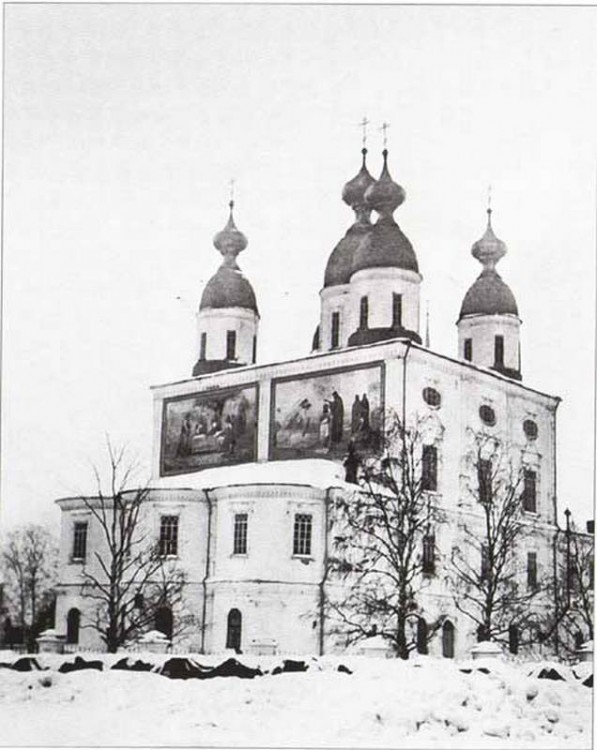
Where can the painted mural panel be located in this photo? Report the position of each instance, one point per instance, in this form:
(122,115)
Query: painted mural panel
(319,415)
(209,429)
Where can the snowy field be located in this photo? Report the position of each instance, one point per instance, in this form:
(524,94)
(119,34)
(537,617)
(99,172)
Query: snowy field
(426,702)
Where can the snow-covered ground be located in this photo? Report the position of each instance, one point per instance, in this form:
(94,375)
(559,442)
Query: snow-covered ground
(425,702)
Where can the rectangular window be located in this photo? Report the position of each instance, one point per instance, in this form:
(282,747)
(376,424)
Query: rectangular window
(429,554)
(335,329)
(499,351)
(396,311)
(230,344)
(364,314)
(484,470)
(168,536)
(254,349)
(429,469)
(529,493)
(532,570)
(80,540)
(303,525)
(468,349)
(203,347)
(484,562)
(240,533)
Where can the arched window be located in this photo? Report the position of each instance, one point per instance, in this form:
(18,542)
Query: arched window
(482,634)
(73,619)
(422,634)
(163,621)
(578,640)
(448,640)
(233,632)
(513,639)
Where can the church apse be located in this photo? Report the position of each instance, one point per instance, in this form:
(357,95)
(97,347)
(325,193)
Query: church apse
(319,415)
(209,429)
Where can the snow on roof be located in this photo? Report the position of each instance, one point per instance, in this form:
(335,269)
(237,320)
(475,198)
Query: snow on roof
(313,472)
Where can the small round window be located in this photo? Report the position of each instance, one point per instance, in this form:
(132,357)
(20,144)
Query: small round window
(530,429)
(487,415)
(432,397)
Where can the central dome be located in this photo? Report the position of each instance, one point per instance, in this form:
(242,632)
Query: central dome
(385,246)
(340,263)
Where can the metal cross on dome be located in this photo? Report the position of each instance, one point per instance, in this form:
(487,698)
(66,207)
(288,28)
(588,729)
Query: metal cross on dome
(363,124)
(231,184)
(384,129)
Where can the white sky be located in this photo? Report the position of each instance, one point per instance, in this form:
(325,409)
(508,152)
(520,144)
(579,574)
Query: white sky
(124,124)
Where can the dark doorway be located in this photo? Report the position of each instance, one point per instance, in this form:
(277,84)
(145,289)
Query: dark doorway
(73,620)
(422,634)
(163,621)
(448,640)
(234,631)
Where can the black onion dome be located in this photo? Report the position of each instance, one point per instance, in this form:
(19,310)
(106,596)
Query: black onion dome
(353,193)
(386,246)
(230,241)
(489,295)
(385,195)
(340,263)
(228,288)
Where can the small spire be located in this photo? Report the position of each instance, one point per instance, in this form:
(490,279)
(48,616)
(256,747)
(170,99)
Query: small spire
(384,129)
(229,241)
(489,209)
(427,338)
(489,249)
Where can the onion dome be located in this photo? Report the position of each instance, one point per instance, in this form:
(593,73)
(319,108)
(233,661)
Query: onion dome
(385,195)
(339,266)
(386,245)
(228,287)
(353,193)
(489,295)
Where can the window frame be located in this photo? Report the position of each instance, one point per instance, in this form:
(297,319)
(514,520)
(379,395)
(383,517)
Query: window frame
(498,349)
(532,571)
(165,540)
(240,534)
(468,349)
(203,345)
(78,525)
(428,558)
(396,310)
(364,312)
(485,480)
(335,330)
(429,468)
(231,344)
(530,478)
(302,535)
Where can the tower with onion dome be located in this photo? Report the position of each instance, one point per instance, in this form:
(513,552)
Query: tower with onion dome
(228,318)
(489,326)
(385,279)
(334,327)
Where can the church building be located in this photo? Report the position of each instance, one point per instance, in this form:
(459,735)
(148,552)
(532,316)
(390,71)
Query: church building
(249,457)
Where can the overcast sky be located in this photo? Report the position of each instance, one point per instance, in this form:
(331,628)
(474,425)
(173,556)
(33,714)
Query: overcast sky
(124,125)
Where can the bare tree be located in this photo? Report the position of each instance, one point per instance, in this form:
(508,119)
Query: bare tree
(492,585)
(384,541)
(571,621)
(30,558)
(128,575)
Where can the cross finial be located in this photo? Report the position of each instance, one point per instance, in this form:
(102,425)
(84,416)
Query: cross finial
(489,200)
(231,186)
(363,124)
(384,129)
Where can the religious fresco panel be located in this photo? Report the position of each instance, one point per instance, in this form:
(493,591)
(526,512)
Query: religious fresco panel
(209,429)
(318,416)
